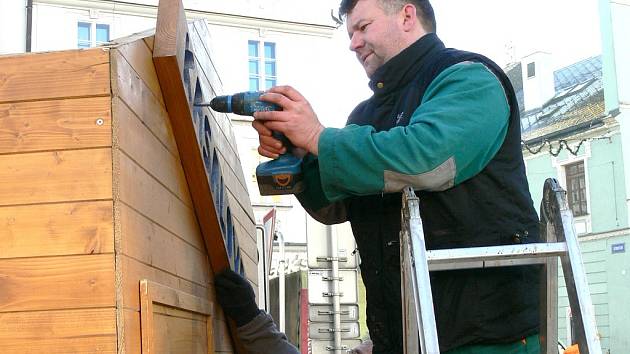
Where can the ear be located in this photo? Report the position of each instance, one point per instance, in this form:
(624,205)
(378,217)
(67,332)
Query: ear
(410,19)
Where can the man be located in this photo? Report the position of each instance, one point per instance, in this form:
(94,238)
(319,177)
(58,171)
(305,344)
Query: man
(445,122)
(255,328)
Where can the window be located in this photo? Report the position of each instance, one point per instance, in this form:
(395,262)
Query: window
(576,188)
(531,69)
(91,34)
(262,65)
(84,34)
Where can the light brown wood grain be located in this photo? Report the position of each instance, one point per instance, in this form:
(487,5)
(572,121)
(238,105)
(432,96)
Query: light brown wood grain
(75,73)
(45,177)
(133,271)
(67,282)
(179,335)
(133,335)
(137,141)
(65,331)
(183,128)
(153,245)
(56,229)
(127,85)
(180,300)
(55,125)
(149,197)
(140,57)
(147,323)
(149,42)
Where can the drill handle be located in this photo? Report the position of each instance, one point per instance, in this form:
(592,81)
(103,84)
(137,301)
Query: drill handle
(285,141)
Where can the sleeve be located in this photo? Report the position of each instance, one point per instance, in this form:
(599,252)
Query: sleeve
(313,198)
(452,135)
(261,336)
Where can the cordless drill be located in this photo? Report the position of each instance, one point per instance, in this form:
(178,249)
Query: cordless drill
(280,176)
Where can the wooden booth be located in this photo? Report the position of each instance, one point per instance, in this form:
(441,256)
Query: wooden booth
(118,197)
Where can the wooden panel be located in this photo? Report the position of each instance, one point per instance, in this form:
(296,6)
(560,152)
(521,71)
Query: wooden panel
(153,245)
(144,148)
(47,283)
(133,271)
(179,335)
(76,73)
(55,125)
(140,57)
(173,329)
(146,195)
(127,85)
(68,331)
(221,332)
(245,241)
(55,176)
(132,338)
(56,229)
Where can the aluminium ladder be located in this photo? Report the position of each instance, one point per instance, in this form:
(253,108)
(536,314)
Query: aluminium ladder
(557,220)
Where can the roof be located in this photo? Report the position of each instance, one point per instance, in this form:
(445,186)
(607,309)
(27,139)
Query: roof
(578,102)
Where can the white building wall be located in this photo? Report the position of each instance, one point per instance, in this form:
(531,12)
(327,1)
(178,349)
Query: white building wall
(620,11)
(12,26)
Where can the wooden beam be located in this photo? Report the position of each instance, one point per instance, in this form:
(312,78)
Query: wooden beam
(168,57)
(174,64)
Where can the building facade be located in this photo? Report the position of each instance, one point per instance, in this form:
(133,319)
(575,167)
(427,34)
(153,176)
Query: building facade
(574,125)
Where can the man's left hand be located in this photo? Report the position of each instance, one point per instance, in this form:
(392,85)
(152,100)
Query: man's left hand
(297,120)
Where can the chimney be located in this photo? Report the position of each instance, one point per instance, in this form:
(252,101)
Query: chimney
(538,81)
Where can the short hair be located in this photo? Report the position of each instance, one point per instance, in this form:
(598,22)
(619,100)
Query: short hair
(423,7)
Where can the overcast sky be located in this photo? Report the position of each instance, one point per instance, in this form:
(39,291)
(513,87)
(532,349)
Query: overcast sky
(568,29)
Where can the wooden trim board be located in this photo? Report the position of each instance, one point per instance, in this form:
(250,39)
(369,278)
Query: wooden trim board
(154,293)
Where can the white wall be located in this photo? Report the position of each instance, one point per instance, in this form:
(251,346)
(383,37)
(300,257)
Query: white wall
(55,27)
(621,29)
(620,11)
(12,26)
(539,88)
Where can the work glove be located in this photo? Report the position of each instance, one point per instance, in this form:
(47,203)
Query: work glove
(236,297)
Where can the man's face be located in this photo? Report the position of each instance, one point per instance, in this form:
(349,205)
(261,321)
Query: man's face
(375,36)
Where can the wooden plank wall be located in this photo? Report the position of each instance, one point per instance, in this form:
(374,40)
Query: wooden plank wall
(156,228)
(56,235)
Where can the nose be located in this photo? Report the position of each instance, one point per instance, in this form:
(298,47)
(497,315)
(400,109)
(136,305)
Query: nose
(356,41)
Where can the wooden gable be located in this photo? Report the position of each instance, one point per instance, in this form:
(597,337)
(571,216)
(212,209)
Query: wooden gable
(100,228)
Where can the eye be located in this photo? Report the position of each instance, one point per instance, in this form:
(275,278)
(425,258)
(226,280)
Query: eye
(363,27)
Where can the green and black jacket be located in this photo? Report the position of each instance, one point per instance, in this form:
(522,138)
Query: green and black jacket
(445,122)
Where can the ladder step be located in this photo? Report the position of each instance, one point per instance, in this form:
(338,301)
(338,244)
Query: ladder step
(494,256)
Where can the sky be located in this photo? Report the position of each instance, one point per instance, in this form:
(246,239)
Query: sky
(568,29)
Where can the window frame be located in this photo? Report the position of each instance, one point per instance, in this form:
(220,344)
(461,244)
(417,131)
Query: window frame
(580,176)
(92,32)
(262,60)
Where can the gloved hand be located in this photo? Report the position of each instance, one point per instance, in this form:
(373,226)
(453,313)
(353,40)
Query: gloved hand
(236,296)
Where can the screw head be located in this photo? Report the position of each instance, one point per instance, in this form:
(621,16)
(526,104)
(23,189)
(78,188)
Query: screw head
(100,121)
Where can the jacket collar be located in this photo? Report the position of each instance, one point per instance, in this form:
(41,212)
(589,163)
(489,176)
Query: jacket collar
(399,70)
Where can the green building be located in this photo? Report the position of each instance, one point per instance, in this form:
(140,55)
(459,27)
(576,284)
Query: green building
(575,128)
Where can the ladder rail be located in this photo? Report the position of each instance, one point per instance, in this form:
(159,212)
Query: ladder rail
(419,273)
(561,243)
(572,266)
